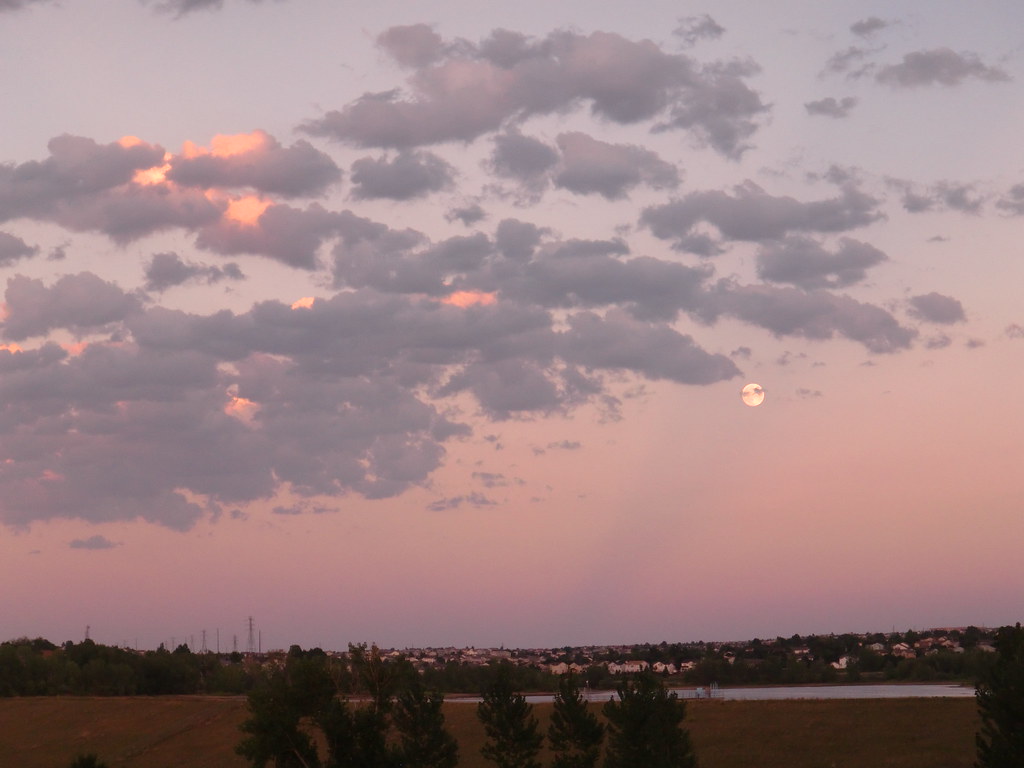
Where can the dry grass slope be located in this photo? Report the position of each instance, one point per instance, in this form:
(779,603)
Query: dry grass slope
(201,732)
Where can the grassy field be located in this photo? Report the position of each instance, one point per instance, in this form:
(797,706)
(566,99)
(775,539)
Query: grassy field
(201,732)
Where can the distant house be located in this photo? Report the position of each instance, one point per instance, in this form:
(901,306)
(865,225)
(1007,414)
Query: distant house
(903,651)
(627,667)
(664,669)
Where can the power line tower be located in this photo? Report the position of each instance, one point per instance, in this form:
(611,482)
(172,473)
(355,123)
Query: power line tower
(251,649)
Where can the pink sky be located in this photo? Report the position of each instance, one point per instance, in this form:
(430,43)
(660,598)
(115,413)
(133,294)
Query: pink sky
(430,327)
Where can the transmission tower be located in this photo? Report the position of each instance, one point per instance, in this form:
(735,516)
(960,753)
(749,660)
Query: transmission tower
(251,649)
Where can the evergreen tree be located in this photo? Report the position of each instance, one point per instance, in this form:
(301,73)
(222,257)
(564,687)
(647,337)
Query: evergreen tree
(337,724)
(513,738)
(575,735)
(275,737)
(1000,696)
(87,761)
(645,727)
(424,742)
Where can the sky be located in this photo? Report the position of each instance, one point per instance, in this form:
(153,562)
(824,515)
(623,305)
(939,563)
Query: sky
(425,324)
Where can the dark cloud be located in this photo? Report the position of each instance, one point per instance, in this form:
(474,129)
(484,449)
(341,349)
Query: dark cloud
(407,175)
(86,186)
(943,195)
(77,168)
(1014,331)
(806,264)
(303,508)
(851,62)
(80,303)
(296,171)
(476,89)
(491,479)
(938,66)
(575,277)
(454,502)
(508,388)
(168,269)
(468,215)
(179,8)
(869,26)
(430,270)
(610,170)
(831,107)
(129,213)
(815,315)
(516,239)
(941,341)
(719,107)
(523,158)
(695,28)
(14,248)
(415,45)
(751,214)
(1013,201)
(290,235)
(565,445)
(93,542)
(616,341)
(936,308)
(14,5)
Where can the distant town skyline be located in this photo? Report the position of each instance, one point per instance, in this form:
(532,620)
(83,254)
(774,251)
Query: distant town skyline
(423,326)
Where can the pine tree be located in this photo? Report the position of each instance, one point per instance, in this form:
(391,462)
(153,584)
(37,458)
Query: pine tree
(575,734)
(645,728)
(87,761)
(424,742)
(275,736)
(1000,696)
(513,738)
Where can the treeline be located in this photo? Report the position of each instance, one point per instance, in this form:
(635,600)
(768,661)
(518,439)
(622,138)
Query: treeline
(863,666)
(40,668)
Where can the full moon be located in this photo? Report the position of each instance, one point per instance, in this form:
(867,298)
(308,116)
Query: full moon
(752,394)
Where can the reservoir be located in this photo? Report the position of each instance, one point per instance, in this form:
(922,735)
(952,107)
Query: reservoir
(880,691)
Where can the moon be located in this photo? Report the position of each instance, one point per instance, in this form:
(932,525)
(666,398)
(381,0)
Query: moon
(753,395)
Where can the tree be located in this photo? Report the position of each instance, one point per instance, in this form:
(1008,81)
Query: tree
(87,761)
(424,742)
(575,735)
(513,738)
(1000,696)
(645,727)
(276,710)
